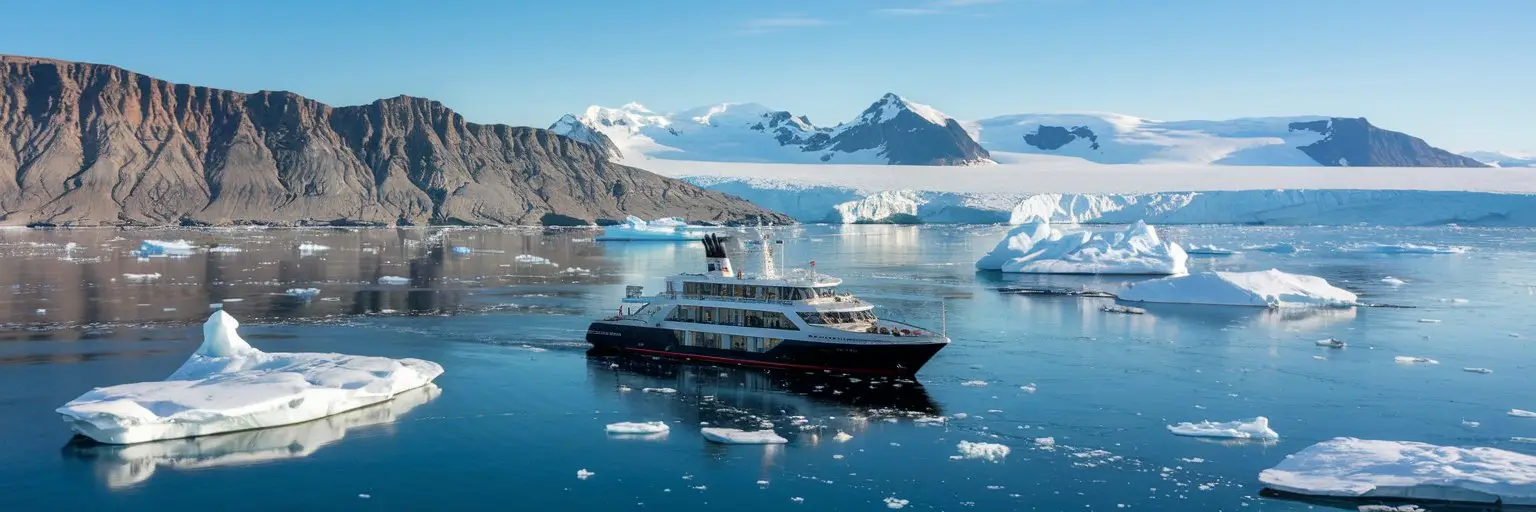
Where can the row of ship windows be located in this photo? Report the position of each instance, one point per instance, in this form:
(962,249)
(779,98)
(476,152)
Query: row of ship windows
(754,291)
(725,341)
(731,316)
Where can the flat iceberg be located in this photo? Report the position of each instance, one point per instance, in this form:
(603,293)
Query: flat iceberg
(1518,413)
(1414,360)
(1268,288)
(990,452)
(1359,468)
(1253,428)
(1209,250)
(165,248)
(1037,248)
(636,229)
(737,436)
(1405,249)
(129,465)
(648,427)
(228,386)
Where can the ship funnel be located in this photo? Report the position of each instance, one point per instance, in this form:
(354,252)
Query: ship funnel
(714,256)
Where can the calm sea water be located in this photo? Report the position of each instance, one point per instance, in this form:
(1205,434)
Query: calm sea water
(522,406)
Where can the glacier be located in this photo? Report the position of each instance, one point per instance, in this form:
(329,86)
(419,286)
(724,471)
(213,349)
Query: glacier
(228,386)
(847,205)
(1037,248)
(1361,468)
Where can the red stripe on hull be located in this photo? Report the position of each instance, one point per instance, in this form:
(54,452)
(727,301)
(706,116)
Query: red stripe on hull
(749,362)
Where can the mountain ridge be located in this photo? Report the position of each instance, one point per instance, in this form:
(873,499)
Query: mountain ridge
(97,144)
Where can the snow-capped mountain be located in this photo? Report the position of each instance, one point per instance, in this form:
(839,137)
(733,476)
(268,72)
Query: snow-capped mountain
(892,130)
(1503,159)
(1298,140)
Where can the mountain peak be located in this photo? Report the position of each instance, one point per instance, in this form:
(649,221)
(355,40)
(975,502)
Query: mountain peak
(891,105)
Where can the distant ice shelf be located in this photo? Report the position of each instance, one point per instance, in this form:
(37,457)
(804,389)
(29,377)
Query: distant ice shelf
(840,204)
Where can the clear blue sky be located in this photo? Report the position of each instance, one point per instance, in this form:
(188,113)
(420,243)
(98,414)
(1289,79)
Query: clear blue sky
(1460,73)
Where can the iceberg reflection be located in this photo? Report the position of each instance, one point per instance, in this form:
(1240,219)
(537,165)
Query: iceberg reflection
(121,466)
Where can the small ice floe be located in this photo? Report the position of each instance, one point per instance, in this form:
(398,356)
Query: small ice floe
(1209,250)
(462,250)
(140,278)
(1332,343)
(1269,288)
(583,474)
(41,311)
(1281,248)
(224,249)
(738,436)
(1518,413)
(165,248)
(923,421)
(895,503)
(1193,460)
(624,389)
(364,496)
(797,499)
(1414,360)
(532,260)
(960,416)
(302,293)
(232,299)
(1389,508)
(1393,281)
(1405,249)
(1028,388)
(311,247)
(394,280)
(1320,358)
(1428,321)
(228,385)
(974,383)
(1253,428)
(1527,440)
(1477,370)
(1124,310)
(990,452)
(664,391)
(842,437)
(648,427)
(576,271)
(1360,468)
(1471,424)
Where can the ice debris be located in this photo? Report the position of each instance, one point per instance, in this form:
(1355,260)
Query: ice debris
(636,229)
(737,436)
(1251,429)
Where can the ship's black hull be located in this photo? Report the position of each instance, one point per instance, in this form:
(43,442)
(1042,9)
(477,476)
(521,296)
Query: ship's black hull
(882,359)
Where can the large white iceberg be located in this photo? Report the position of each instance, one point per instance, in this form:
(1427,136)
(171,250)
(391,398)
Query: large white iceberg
(637,229)
(1251,429)
(229,386)
(1037,248)
(1269,288)
(128,465)
(1350,467)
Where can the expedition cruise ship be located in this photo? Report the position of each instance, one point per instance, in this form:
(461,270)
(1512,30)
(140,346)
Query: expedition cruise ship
(795,321)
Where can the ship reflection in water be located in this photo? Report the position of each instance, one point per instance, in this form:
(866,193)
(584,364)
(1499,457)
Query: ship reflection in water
(796,404)
(122,466)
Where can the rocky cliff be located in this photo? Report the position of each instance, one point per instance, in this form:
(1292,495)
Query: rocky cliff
(89,144)
(1358,143)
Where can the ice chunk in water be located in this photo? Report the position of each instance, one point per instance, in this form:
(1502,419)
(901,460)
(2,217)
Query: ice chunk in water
(394,280)
(991,452)
(1518,413)
(1253,428)
(895,503)
(1414,360)
(1269,288)
(227,385)
(140,278)
(302,293)
(649,427)
(737,436)
(583,474)
(1037,248)
(1350,467)
(842,437)
(1477,370)
(637,229)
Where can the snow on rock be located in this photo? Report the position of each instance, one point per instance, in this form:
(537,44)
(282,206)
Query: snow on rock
(737,436)
(1253,428)
(1359,468)
(1405,249)
(1522,413)
(990,452)
(637,229)
(1037,248)
(394,280)
(1269,288)
(649,427)
(228,385)
(1414,360)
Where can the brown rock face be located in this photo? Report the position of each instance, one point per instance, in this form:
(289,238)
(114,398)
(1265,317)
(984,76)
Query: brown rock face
(90,144)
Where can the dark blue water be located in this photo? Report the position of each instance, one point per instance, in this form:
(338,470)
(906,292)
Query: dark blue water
(522,405)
